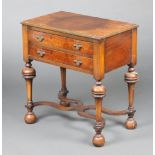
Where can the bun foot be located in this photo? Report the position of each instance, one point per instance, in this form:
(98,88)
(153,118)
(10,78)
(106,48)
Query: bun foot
(30,118)
(130,123)
(98,140)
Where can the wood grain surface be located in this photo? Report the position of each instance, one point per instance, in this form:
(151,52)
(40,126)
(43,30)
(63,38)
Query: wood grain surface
(82,25)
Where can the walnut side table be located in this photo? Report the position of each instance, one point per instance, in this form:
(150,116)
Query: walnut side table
(86,44)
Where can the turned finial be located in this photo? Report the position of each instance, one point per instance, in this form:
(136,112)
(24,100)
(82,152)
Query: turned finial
(28,71)
(98,90)
(131,76)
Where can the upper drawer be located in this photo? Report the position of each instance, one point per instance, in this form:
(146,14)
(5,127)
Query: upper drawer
(55,41)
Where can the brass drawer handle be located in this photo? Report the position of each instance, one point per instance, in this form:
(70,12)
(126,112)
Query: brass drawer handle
(78,62)
(39,37)
(41,53)
(77,46)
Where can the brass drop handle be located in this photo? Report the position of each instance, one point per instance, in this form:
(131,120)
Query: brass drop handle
(39,37)
(77,46)
(41,53)
(78,62)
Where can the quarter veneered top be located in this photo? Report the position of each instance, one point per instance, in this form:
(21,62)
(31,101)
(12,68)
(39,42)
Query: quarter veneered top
(81,25)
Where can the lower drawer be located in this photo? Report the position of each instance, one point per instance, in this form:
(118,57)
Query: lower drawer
(62,59)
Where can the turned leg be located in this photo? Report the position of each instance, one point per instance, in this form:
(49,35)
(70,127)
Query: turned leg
(29,73)
(131,78)
(63,92)
(98,92)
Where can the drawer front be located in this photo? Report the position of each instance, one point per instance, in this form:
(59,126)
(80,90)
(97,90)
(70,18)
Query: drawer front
(59,42)
(60,58)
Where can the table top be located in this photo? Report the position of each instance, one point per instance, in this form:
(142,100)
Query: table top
(80,25)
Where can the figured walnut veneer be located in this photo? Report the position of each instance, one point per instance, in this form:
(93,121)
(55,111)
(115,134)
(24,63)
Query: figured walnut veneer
(82,43)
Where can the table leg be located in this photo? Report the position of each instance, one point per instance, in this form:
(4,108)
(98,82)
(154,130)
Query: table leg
(29,73)
(131,78)
(98,92)
(63,92)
